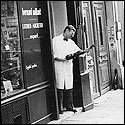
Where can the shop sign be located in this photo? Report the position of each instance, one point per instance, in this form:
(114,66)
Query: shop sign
(31,23)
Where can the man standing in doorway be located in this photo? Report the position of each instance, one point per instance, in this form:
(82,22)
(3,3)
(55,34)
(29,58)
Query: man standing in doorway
(63,46)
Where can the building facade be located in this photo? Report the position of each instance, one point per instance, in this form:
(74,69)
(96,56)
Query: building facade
(28,92)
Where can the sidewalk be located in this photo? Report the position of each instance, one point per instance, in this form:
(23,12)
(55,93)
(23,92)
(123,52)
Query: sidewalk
(108,109)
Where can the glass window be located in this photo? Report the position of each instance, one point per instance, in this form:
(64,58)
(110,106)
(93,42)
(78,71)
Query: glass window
(11,70)
(85,33)
(101,32)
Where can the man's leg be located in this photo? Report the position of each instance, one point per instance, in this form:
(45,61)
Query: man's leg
(69,100)
(60,100)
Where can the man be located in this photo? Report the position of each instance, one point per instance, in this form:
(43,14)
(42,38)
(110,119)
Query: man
(63,46)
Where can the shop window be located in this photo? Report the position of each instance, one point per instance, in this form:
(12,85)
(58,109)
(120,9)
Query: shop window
(11,70)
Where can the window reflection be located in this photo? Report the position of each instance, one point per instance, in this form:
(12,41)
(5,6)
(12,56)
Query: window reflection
(10,47)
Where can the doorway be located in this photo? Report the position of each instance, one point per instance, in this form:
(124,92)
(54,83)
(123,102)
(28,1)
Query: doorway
(81,85)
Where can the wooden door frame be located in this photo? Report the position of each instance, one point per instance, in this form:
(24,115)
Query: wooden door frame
(94,53)
(94,21)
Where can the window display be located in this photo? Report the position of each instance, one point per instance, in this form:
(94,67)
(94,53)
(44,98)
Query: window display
(11,70)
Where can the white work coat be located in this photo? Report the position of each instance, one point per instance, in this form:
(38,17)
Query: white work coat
(63,70)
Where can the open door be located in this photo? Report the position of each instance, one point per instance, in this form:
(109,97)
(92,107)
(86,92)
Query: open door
(101,42)
(81,86)
(90,58)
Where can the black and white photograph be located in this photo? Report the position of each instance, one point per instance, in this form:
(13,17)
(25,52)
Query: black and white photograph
(62,62)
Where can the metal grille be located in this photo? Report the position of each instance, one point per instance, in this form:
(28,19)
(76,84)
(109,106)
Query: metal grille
(17,119)
(7,114)
(16,112)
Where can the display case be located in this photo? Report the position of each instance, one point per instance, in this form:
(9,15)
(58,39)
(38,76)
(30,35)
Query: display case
(11,64)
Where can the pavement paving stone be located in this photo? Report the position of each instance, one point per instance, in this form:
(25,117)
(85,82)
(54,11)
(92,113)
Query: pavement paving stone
(108,109)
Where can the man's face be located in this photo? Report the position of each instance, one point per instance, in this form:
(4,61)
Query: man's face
(70,33)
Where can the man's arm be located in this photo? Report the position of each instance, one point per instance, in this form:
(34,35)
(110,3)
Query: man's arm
(60,59)
(78,53)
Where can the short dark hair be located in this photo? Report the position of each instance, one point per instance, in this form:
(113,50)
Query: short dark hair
(69,27)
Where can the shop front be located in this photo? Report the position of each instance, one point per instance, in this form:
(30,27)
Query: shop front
(28,91)
(28,94)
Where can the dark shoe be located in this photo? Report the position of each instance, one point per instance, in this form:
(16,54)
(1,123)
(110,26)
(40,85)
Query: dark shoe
(60,112)
(73,110)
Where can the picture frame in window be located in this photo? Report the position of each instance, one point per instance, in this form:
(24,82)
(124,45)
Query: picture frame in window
(7,86)
(12,33)
(11,22)
(3,23)
(5,33)
(3,9)
(10,8)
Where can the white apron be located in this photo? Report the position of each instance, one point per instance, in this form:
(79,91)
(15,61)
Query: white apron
(64,70)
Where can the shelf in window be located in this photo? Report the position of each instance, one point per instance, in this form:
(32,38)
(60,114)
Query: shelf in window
(12,51)
(10,69)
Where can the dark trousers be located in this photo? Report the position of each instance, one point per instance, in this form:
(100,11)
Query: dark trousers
(68,99)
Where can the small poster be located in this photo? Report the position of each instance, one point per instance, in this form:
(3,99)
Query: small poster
(7,86)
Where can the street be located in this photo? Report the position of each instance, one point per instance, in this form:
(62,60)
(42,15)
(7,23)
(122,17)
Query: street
(108,109)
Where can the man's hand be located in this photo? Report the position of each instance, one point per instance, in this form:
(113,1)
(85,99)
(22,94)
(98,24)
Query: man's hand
(87,50)
(92,46)
(60,59)
(83,55)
